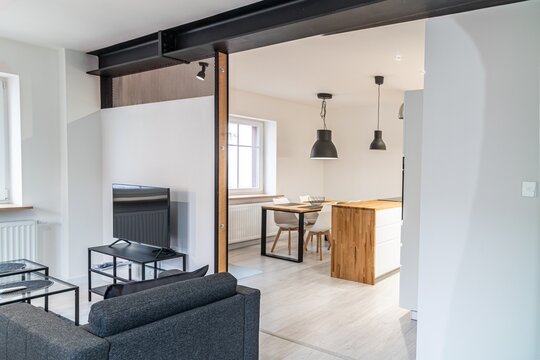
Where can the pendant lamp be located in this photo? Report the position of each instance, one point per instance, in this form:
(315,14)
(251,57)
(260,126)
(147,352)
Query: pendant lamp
(323,148)
(378,143)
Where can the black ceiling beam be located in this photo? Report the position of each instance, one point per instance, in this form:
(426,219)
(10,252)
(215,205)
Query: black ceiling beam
(266,23)
(134,56)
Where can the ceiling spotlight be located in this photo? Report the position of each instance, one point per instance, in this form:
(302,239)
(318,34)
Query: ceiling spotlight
(397,57)
(202,74)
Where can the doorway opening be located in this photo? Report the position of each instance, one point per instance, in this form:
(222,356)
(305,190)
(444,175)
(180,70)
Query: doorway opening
(274,90)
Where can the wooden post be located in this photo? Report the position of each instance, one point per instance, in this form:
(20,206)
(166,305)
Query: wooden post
(221,97)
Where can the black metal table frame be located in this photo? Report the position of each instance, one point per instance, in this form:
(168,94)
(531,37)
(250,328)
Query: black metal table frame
(25,271)
(300,257)
(70,287)
(115,276)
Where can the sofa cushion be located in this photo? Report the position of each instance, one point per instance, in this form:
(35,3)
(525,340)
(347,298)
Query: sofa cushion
(118,314)
(27,332)
(136,286)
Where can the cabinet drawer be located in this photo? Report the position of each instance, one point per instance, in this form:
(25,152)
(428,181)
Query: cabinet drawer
(387,217)
(388,232)
(387,257)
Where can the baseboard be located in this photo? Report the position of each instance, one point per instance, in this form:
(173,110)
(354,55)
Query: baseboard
(243,244)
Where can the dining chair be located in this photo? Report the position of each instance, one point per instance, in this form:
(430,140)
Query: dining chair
(285,221)
(322,227)
(309,218)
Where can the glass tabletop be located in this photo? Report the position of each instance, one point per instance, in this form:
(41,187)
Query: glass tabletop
(52,286)
(19,266)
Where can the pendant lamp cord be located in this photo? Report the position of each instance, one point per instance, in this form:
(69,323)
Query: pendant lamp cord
(323,112)
(378,105)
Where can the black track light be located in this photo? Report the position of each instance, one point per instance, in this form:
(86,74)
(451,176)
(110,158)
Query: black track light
(202,74)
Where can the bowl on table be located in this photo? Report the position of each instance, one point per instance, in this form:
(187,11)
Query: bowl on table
(316,200)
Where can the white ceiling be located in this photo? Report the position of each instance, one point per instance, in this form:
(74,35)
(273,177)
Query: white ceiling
(342,64)
(93,24)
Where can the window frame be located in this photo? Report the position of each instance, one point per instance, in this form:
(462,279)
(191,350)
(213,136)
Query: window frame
(5,194)
(238,119)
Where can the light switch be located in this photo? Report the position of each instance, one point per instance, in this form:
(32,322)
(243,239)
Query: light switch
(528,189)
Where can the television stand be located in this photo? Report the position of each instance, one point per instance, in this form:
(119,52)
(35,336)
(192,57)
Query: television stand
(136,253)
(163,252)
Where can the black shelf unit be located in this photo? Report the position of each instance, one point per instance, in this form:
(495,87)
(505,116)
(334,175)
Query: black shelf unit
(136,253)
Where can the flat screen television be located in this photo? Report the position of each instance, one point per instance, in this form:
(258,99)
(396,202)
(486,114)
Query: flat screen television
(142,214)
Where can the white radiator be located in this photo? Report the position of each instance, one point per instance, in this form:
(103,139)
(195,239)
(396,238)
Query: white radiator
(18,240)
(245,222)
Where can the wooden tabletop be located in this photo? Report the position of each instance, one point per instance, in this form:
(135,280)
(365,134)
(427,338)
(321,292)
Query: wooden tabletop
(371,205)
(297,207)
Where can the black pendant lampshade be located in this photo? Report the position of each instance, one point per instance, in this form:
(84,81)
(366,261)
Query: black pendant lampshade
(324,148)
(378,143)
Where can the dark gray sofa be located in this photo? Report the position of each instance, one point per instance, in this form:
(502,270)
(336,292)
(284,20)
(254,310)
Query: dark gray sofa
(205,318)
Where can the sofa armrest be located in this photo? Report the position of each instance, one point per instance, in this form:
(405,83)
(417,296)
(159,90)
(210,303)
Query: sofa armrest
(29,333)
(252,301)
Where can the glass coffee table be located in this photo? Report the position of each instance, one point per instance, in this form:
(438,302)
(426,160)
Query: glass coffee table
(37,285)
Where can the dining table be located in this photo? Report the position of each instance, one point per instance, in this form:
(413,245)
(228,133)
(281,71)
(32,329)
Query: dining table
(300,209)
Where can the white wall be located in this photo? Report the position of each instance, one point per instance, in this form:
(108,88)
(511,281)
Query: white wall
(82,182)
(169,144)
(39,73)
(410,231)
(479,284)
(54,90)
(296,124)
(360,173)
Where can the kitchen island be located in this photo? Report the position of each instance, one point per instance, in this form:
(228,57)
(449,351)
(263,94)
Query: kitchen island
(366,238)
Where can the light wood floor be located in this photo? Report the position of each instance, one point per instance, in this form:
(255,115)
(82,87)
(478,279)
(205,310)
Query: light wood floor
(306,314)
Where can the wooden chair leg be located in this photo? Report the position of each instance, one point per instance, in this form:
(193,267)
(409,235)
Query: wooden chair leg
(329,240)
(306,241)
(320,246)
(289,242)
(276,240)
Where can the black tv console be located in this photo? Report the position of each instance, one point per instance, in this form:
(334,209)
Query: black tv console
(133,252)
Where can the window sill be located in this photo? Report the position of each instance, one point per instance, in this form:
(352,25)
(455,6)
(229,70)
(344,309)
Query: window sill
(251,198)
(14,207)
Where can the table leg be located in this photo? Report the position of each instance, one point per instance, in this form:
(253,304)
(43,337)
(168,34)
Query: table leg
(184,263)
(300,237)
(143,275)
(89,275)
(129,272)
(47,296)
(77,306)
(114,269)
(155,269)
(263,232)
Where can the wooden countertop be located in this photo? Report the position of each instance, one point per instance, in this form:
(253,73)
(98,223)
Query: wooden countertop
(371,204)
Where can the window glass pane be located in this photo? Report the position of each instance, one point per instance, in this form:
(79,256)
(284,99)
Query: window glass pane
(233,133)
(233,167)
(248,168)
(245,134)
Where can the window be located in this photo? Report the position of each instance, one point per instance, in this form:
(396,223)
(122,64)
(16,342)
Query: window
(4,143)
(245,155)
